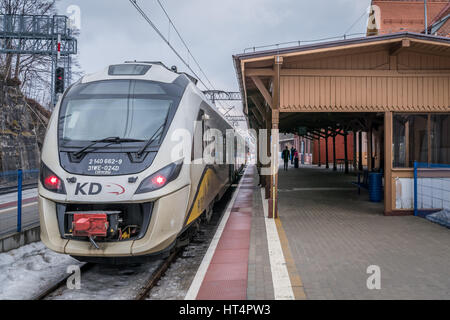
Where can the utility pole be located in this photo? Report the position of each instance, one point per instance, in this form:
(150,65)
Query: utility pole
(426,17)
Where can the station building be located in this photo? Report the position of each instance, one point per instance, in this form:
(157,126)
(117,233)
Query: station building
(394,88)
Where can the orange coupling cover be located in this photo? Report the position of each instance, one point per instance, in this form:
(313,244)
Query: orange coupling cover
(90,225)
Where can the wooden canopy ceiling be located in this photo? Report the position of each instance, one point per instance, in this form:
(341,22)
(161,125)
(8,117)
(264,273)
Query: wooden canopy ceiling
(362,75)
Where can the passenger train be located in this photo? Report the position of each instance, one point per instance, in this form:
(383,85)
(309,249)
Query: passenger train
(112,189)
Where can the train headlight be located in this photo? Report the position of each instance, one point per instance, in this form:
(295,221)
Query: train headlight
(161,178)
(51,181)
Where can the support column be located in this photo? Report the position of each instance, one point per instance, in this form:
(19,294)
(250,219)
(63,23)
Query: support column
(259,165)
(370,148)
(273,202)
(267,183)
(407,143)
(388,146)
(326,153)
(360,145)
(320,154)
(346,152)
(355,151)
(430,141)
(334,151)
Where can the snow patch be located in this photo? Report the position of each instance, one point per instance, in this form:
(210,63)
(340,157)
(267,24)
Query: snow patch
(25,272)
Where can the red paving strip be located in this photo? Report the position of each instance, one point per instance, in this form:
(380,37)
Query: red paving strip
(227,275)
(14,203)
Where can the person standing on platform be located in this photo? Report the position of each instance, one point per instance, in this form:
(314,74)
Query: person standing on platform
(296,159)
(292,155)
(286,156)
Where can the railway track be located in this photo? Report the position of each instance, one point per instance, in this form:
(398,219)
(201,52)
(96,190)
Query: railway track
(142,294)
(51,289)
(156,276)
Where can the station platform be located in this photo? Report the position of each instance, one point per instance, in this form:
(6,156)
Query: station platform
(245,260)
(10,199)
(321,247)
(336,234)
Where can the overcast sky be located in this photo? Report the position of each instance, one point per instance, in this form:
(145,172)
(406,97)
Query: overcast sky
(113,31)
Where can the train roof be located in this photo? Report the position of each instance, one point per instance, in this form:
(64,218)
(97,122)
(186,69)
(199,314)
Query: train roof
(141,70)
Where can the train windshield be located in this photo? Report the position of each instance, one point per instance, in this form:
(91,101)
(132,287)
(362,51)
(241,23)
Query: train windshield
(128,109)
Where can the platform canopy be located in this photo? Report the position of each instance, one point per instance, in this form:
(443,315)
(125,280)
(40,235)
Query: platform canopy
(358,84)
(394,72)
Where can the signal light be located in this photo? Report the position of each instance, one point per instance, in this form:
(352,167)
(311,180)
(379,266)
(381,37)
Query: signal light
(59,80)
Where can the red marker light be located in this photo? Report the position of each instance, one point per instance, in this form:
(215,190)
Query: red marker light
(52,182)
(159,180)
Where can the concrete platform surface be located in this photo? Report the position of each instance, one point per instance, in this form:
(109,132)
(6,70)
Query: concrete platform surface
(335,236)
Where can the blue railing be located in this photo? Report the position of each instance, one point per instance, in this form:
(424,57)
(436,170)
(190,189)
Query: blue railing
(10,181)
(19,200)
(417,167)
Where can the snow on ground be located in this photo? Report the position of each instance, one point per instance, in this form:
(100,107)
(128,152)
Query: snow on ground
(27,271)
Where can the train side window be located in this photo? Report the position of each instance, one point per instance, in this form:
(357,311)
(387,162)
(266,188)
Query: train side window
(198,145)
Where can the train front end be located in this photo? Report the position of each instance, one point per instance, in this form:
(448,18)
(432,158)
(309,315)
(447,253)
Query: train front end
(108,187)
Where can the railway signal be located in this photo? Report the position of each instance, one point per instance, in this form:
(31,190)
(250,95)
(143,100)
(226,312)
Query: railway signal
(59,80)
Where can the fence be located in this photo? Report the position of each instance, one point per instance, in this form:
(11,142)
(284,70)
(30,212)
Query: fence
(12,185)
(9,180)
(431,188)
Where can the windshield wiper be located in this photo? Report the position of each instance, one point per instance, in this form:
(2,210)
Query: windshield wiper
(155,136)
(110,141)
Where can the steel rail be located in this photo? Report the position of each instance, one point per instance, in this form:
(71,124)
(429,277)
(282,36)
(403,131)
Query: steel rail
(52,288)
(157,275)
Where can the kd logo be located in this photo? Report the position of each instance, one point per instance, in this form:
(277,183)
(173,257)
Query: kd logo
(374,281)
(74,13)
(74,281)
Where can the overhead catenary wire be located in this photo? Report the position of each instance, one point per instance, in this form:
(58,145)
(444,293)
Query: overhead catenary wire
(185,44)
(166,40)
(171,23)
(351,27)
(150,22)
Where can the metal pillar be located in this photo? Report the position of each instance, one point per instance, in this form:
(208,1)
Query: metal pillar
(334,152)
(326,153)
(355,151)
(346,152)
(361,166)
(38,35)
(320,151)
(19,200)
